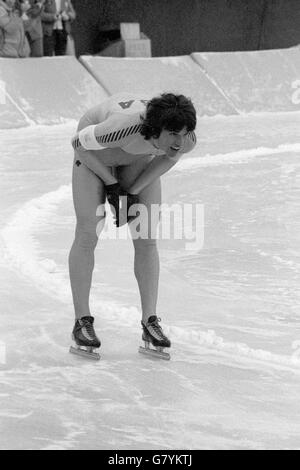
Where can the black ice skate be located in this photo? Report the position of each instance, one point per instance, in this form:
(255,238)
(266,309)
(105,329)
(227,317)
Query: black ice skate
(85,339)
(154,335)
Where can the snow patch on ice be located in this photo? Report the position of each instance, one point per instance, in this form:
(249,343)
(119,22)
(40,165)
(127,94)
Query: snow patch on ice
(177,61)
(240,156)
(49,265)
(12,414)
(21,248)
(238,351)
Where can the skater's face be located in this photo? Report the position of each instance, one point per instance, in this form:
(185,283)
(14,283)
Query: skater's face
(170,141)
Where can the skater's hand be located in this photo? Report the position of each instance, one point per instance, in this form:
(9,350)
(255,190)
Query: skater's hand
(120,202)
(113,193)
(126,214)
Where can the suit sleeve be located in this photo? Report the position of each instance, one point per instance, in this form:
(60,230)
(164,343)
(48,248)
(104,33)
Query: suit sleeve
(115,131)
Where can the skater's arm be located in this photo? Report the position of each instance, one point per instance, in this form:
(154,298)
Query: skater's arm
(163,163)
(112,132)
(106,139)
(156,168)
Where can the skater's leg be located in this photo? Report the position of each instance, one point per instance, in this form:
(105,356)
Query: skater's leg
(146,259)
(88,194)
(146,270)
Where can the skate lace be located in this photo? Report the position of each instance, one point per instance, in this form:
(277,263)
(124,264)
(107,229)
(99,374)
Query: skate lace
(89,327)
(157,328)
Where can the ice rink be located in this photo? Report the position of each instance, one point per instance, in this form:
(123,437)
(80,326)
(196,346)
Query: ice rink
(231,307)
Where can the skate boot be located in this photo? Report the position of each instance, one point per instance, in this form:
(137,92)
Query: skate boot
(85,339)
(154,335)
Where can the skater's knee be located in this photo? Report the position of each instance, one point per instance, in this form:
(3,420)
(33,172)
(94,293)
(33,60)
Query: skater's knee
(141,244)
(86,234)
(86,240)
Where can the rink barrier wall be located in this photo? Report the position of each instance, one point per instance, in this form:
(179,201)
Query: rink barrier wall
(45,91)
(155,75)
(54,90)
(256,81)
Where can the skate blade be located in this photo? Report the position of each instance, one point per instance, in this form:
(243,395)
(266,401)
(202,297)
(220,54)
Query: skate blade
(79,351)
(159,354)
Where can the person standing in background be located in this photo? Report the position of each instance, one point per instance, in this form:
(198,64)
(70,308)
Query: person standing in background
(48,16)
(57,16)
(31,15)
(13,42)
(68,18)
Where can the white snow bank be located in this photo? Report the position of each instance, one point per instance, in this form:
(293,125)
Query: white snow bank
(240,156)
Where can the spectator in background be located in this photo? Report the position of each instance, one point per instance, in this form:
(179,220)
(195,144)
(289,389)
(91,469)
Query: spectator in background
(31,15)
(13,42)
(57,16)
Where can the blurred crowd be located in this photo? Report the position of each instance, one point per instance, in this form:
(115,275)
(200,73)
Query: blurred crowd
(36,28)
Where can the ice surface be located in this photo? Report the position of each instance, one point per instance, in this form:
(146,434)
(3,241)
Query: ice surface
(233,380)
(230,308)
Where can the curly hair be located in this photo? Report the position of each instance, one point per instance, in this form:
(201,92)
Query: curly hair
(170,112)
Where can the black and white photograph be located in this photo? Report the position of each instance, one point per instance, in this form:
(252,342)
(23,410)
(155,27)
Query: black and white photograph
(149,227)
